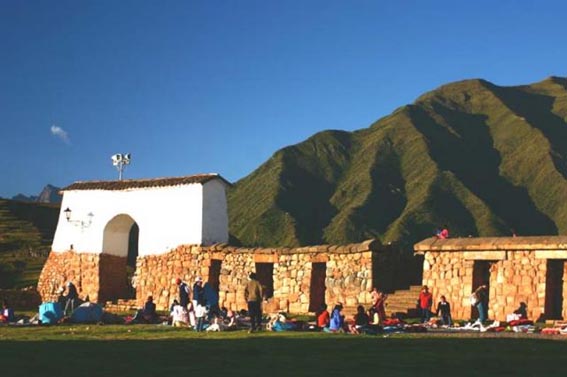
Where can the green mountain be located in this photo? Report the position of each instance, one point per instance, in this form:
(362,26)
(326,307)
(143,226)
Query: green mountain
(485,160)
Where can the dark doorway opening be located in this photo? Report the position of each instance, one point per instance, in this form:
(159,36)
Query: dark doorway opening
(317,288)
(214,273)
(554,289)
(481,275)
(117,263)
(131,259)
(265,273)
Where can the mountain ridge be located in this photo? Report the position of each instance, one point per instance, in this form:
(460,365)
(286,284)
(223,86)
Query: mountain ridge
(486,159)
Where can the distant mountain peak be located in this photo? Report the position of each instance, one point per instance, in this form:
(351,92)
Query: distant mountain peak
(49,194)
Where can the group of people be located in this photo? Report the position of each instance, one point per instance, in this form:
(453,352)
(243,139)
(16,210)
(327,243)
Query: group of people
(425,306)
(198,307)
(195,305)
(364,321)
(478,299)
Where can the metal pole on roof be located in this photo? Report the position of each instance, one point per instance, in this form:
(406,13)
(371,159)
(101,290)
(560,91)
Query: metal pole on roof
(120,161)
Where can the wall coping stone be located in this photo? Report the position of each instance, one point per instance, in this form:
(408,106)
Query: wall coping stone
(492,244)
(368,245)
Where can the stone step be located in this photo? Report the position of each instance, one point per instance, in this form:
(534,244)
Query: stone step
(403,301)
(121,305)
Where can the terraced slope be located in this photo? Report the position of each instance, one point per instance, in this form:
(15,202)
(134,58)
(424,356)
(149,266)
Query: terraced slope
(26,225)
(483,159)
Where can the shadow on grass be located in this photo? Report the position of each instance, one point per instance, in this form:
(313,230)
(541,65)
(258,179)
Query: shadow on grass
(285,356)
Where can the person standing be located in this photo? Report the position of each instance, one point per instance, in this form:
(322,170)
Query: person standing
(184,293)
(444,308)
(425,302)
(198,296)
(71,298)
(211,300)
(380,307)
(253,295)
(481,294)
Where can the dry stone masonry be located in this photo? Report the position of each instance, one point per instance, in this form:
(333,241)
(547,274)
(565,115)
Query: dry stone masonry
(517,269)
(297,279)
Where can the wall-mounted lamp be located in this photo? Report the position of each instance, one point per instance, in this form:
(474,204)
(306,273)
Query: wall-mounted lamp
(82,223)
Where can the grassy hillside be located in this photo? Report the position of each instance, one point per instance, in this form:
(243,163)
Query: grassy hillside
(483,159)
(26,234)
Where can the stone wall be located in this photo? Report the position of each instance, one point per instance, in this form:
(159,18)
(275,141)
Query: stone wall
(344,274)
(87,271)
(518,272)
(80,268)
(348,274)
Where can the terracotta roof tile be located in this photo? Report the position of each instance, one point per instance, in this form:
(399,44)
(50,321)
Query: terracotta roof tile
(493,243)
(144,183)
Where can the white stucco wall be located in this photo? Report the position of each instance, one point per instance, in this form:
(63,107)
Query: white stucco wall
(215,213)
(167,217)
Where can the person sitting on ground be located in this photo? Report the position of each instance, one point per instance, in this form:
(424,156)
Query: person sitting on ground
(323,317)
(148,313)
(444,308)
(230,320)
(361,321)
(522,311)
(173,304)
(337,321)
(7,314)
(280,323)
(179,316)
(216,324)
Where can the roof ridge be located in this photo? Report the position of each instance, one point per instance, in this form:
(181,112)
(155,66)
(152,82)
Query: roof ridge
(145,182)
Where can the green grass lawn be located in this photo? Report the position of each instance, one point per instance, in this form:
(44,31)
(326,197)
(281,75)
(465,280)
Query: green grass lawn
(91,350)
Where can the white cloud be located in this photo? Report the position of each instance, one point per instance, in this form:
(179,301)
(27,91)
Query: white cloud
(60,133)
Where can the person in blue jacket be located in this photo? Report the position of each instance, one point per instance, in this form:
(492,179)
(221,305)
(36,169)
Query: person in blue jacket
(337,319)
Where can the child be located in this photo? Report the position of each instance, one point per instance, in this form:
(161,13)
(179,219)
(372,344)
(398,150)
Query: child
(200,315)
(444,308)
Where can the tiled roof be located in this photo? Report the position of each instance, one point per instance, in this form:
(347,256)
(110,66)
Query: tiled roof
(144,183)
(493,243)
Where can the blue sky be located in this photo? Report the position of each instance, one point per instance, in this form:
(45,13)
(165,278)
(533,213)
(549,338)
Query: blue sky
(219,86)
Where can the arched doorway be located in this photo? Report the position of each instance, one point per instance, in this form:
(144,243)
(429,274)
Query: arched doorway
(118,259)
